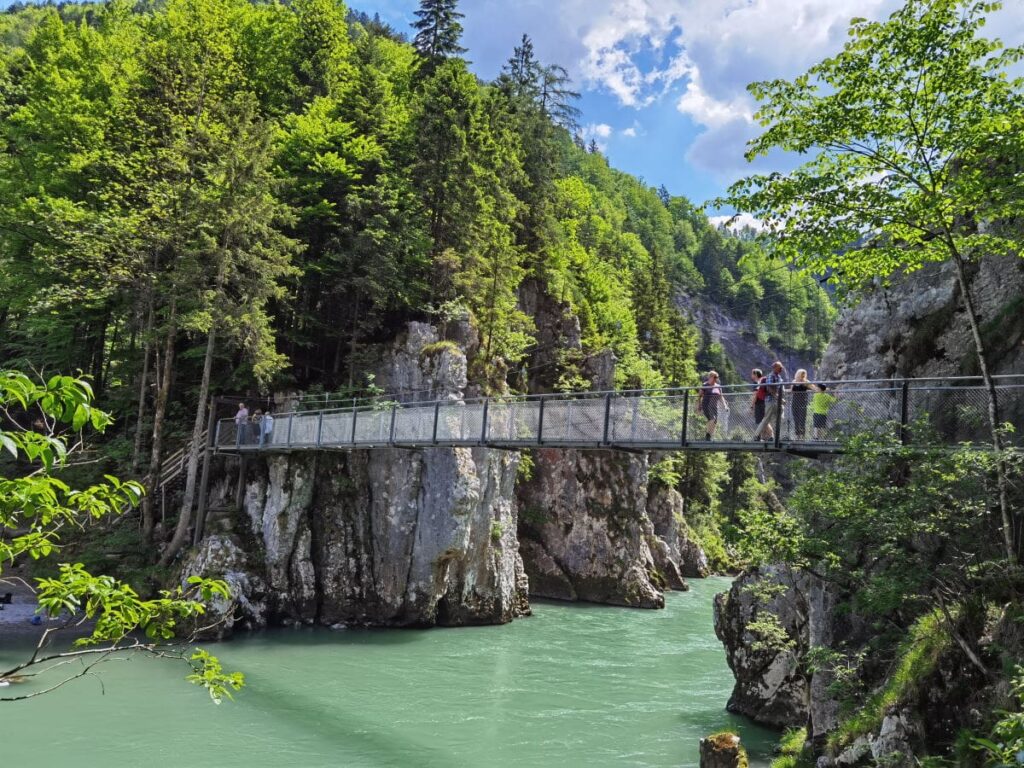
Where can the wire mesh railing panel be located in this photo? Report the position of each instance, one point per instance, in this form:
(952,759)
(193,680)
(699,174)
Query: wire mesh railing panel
(373,427)
(573,421)
(336,428)
(949,414)
(850,411)
(513,421)
(226,434)
(414,424)
(299,429)
(459,422)
(646,420)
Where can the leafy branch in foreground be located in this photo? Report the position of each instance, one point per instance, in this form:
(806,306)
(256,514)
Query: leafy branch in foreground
(41,427)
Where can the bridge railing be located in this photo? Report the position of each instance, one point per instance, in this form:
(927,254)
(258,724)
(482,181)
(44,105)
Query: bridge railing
(952,410)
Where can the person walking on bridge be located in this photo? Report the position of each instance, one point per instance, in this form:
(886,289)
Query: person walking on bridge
(711,401)
(774,387)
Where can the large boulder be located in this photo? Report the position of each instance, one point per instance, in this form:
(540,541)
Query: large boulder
(771,686)
(584,516)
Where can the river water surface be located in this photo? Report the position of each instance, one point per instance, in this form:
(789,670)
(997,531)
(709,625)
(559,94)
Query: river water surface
(575,685)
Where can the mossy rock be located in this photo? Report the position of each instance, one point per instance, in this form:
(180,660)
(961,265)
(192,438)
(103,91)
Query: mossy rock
(722,750)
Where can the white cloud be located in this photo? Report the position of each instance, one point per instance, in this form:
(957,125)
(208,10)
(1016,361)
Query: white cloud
(629,133)
(599,132)
(705,52)
(737,222)
(701,54)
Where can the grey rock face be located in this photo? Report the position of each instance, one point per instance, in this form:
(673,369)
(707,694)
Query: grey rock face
(383,537)
(665,509)
(222,557)
(389,537)
(585,531)
(917,326)
(770,687)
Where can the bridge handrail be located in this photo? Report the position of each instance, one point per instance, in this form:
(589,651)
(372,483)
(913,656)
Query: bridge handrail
(892,384)
(651,419)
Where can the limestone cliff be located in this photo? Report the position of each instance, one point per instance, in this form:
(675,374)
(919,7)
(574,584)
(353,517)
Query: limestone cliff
(591,527)
(916,327)
(584,531)
(383,537)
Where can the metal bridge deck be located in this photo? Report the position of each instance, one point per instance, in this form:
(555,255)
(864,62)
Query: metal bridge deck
(953,410)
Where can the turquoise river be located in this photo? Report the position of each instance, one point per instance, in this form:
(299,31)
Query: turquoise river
(574,685)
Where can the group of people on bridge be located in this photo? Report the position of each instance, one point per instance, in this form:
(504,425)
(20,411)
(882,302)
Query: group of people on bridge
(254,429)
(767,403)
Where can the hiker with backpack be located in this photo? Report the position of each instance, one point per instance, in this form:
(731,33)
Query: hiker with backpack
(774,386)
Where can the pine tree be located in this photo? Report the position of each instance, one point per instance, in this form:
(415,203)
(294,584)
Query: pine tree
(438,31)
(556,97)
(521,75)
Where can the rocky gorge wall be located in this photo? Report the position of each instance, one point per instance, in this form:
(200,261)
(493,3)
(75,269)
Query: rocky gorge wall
(439,536)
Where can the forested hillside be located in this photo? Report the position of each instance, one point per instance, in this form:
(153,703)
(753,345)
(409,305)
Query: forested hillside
(205,196)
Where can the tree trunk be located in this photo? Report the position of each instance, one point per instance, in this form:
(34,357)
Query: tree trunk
(1006,516)
(195,449)
(164,374)
(140,418)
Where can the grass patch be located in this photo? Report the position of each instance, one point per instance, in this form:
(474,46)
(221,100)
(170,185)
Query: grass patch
(437,348)
(925,644)
(791,750)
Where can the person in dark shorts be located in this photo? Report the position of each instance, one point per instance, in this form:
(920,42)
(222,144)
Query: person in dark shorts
(760,392)
(821,404)
(801,389)
(711,400)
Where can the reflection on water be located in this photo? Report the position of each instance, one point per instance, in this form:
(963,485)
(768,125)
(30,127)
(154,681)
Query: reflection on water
(575,685)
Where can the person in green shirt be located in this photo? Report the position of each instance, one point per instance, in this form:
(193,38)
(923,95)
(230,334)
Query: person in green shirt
(821,404)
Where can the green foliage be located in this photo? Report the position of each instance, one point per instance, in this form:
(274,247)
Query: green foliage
(913,131)
(37,508)
(791,750)
(926,641)
(787,308)
(1005,744)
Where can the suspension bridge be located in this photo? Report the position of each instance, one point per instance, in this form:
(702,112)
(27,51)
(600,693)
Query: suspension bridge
(950,410)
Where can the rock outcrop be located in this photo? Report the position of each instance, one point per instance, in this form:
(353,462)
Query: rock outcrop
(763,623)
(917,327)
(584,530)
(722,750)
(377,538)
(684,553)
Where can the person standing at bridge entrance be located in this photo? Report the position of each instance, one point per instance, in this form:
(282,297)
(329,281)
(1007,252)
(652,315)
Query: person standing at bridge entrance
(266,428)
(712,402)
(242,425)
(774,385)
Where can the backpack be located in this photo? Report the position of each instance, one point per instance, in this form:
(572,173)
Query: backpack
(762,388)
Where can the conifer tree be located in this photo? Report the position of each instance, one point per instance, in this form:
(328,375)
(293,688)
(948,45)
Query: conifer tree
(438,31)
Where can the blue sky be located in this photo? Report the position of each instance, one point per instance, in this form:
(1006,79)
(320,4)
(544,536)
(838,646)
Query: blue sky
(663,82)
